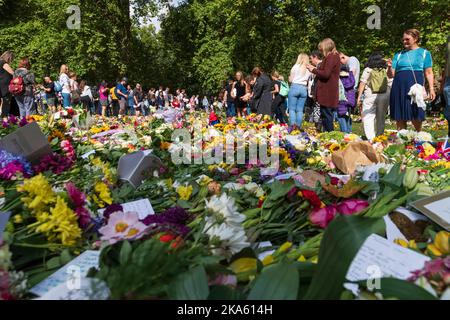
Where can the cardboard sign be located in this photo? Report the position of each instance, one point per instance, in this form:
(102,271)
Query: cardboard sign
(138,166)
(4,218)
(68,275)
(143,208)
(437,208)
(381,258)
(28,141)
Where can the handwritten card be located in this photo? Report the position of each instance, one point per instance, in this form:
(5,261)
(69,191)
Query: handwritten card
(142,207)
(77,267)
(381,258)
(437,208)
(4,218)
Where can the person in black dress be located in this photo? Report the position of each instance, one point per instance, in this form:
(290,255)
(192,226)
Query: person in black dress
(238,91)
(6,75)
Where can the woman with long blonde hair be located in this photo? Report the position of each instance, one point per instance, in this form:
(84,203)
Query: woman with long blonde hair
(298,92)
(64,80)
(327,74)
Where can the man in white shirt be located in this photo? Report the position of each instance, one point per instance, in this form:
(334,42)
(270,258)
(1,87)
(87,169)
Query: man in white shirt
(354,66)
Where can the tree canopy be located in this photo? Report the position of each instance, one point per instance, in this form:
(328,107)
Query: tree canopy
(202,42)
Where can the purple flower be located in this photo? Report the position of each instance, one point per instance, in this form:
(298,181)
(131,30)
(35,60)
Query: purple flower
(77,197)
(5,124)
(173,220)
(23,122)
(111,209)
(84,217)
(12,119)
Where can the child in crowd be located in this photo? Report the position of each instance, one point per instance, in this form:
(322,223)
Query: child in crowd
(213,119)
(346,99)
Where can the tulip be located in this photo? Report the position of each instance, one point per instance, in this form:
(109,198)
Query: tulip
(351,207)
(442,242)
(323,216)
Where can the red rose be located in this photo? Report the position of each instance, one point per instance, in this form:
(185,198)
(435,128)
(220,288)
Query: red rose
(312,198)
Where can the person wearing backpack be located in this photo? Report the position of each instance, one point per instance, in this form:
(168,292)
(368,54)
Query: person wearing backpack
(280,92)
(64,81)
(346,99)
(23,94)
(6,75)
(75,93)
(375,87)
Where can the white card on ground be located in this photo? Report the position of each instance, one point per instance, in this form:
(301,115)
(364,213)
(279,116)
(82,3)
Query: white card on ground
(381,258)
(88,154)
(293,139)
(440,208)
(142,207)
(77,267)
(4,218)
(85,289)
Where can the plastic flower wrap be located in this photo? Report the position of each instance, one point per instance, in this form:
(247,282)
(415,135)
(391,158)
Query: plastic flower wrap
(11,166)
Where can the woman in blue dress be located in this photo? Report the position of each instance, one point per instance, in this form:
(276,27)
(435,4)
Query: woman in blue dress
(409,66)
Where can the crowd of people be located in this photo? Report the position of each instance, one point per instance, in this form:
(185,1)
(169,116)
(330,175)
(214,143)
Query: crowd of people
(326,86)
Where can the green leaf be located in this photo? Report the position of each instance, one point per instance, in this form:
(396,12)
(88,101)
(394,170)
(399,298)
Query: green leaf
(280,189)
(341,242)
(392,288)
(276,282)
(125,253)
(223,293)
(394,177)
(191,285)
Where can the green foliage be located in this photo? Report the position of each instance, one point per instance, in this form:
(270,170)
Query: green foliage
(202,42)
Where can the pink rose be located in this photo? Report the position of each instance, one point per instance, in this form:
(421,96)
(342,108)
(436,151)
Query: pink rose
(323,216)
(351,207)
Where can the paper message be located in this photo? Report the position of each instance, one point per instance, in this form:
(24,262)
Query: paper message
(4,218)
(441,209)
(142,207)
(70,274)
(381,258)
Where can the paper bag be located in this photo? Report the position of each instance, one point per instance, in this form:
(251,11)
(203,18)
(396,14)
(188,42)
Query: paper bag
(138,166)
(28,141)
(356,154)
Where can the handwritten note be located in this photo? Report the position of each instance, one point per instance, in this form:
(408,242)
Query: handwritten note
(78,266)
(381,258)
(142,207)
(4,218)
